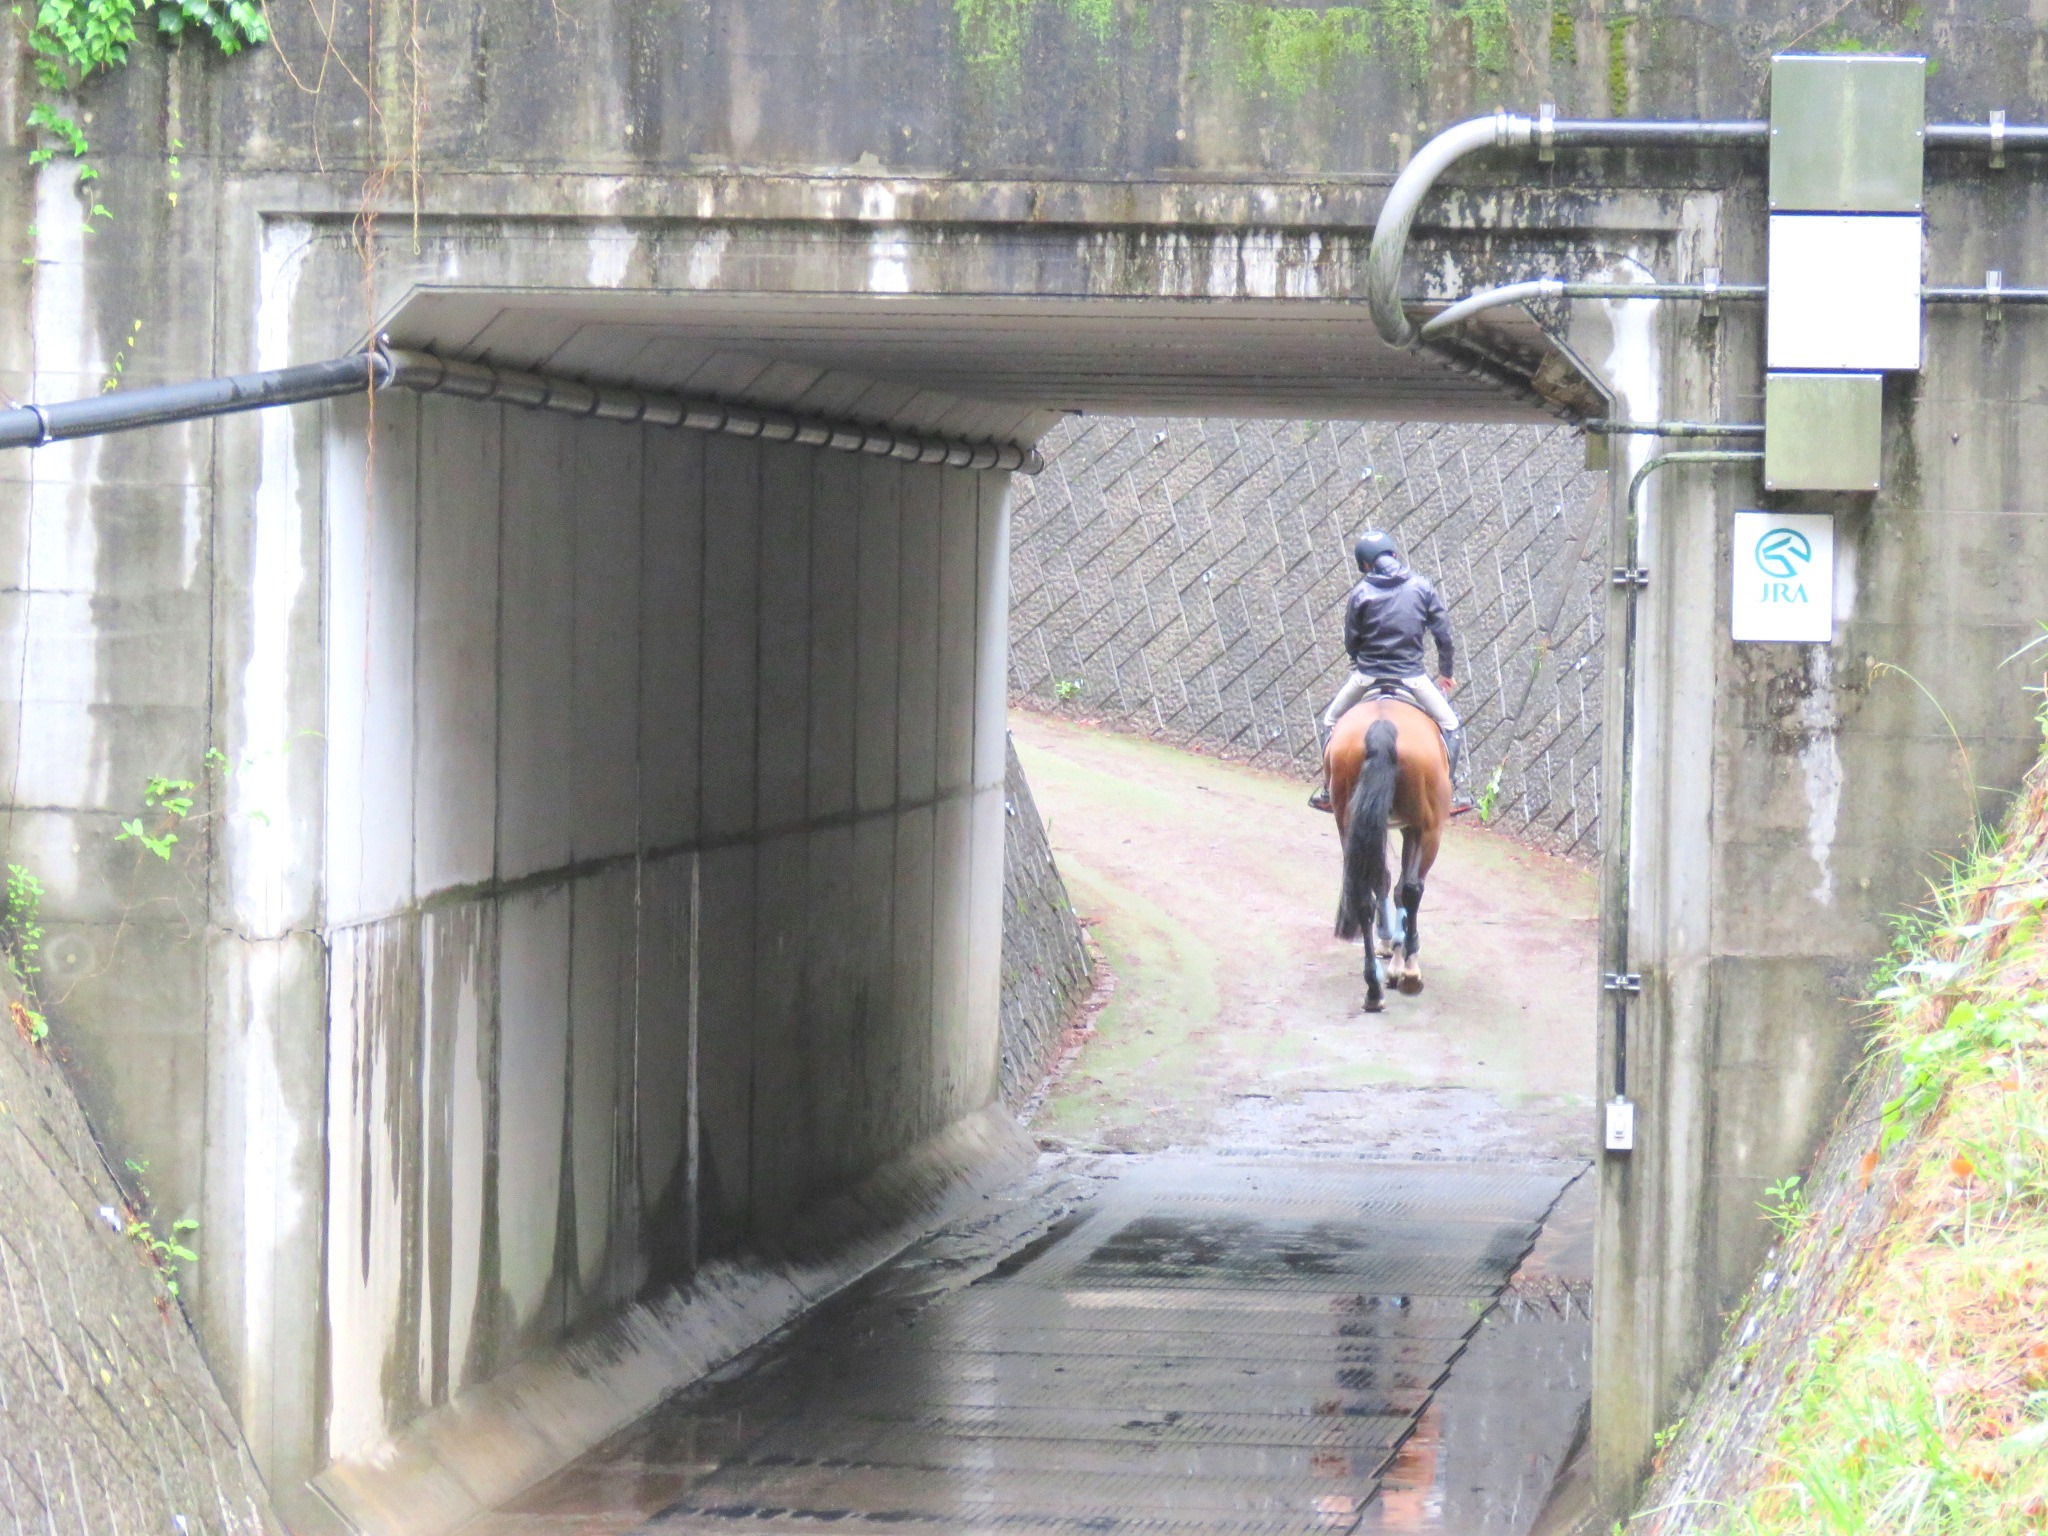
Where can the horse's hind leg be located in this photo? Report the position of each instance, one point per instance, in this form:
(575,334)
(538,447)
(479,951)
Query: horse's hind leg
(1409,968)
(1377,948)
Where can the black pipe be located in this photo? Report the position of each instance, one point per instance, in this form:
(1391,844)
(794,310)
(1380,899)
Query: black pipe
(1984,295)
(1600,426)
(1620,133)
(30,426)
(2027,136)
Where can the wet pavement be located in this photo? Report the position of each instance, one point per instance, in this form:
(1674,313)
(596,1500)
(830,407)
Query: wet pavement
(1185,1342)
(1283,1268)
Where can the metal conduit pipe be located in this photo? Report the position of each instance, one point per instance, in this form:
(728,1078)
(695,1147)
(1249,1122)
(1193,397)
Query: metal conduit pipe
(1994,137)
(429,373)
(31,426)
(1632,578)
(1558,288)
(1600,426)
(1985,295)
(1508,130)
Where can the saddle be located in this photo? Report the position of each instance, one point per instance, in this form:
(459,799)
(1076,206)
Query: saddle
(1392,688)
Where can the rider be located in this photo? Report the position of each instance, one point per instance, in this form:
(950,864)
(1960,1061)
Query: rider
(1385,618)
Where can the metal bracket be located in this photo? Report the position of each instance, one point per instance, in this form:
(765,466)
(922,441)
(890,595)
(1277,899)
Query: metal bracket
(1998,139)
(1994,296)
(1710,298)
(1630,576)
(1625,982)
(1546,132)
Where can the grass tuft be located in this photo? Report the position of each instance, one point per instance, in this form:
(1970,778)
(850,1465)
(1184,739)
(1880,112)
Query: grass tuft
(1920,1406)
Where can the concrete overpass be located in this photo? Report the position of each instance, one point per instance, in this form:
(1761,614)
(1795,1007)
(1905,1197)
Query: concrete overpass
(585,944)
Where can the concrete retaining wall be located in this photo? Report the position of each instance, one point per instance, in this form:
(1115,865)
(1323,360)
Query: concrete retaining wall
(1046,965)
(1186,578)
(109,1418)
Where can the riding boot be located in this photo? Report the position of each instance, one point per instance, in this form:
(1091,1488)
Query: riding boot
(1319,798)
(1454,747)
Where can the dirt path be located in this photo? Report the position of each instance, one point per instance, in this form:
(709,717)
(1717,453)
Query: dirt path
(1236,1018)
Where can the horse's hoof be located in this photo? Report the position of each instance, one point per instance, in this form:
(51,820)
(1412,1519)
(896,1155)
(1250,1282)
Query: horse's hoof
(1373,1007)
(1410,983)
(1384,951)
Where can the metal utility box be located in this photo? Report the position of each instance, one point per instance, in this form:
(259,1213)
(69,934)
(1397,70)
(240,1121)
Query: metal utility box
(1823,431)
(1844,292)
(1848,133)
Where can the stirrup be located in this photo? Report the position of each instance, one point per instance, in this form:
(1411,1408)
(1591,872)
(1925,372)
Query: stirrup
(1460,804)
(1319,799)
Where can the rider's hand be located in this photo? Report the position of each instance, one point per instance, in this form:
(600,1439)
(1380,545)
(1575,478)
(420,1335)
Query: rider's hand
(1447,684)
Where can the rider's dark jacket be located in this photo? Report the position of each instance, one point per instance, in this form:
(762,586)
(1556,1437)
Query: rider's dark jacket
(1386,617)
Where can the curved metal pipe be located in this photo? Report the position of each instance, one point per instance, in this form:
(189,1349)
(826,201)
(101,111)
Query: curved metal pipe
(1506,130)
(1631,578)
(1557,288)
(1404,201)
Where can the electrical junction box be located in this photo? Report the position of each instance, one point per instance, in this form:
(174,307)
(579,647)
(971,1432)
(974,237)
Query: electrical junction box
(1620,1130)
(1844,292)
(1848,133)
(1823,431)
(1783,582)
(1848,157)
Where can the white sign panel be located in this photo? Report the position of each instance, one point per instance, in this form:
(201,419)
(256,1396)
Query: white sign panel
(1784,585)
(1844,292)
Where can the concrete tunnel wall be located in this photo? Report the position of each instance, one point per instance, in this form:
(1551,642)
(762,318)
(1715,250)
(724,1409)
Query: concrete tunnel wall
(635,738)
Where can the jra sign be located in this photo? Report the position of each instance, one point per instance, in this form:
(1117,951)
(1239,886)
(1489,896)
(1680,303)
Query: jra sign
(1784,587)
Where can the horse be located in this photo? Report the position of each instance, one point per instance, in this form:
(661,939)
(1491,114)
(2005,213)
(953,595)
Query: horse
(1388,767)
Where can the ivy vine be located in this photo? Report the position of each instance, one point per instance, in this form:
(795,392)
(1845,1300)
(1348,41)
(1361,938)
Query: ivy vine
(70,41)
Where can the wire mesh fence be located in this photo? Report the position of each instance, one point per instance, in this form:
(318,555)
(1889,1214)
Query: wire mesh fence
(1186,578)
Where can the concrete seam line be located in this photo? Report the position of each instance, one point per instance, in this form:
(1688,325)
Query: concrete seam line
(430,373)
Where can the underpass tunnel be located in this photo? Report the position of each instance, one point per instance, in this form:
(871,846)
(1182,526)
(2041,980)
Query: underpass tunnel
(665,821)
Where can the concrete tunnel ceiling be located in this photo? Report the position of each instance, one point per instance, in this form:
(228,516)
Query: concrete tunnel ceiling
(972,366)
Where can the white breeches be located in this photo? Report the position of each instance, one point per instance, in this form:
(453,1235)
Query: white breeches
(1426,692)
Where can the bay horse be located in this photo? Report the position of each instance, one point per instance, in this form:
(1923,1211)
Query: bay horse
(1388,768)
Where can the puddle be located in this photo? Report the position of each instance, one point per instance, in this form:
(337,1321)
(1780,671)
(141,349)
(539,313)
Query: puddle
(1209,1344)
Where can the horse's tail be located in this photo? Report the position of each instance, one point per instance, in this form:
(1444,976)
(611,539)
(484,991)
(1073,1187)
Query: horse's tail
(1365,843)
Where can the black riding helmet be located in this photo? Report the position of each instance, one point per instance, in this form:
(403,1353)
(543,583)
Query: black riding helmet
(1370,546)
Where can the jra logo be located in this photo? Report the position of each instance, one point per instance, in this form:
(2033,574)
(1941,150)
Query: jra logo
(1783,552)
(1784,577)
